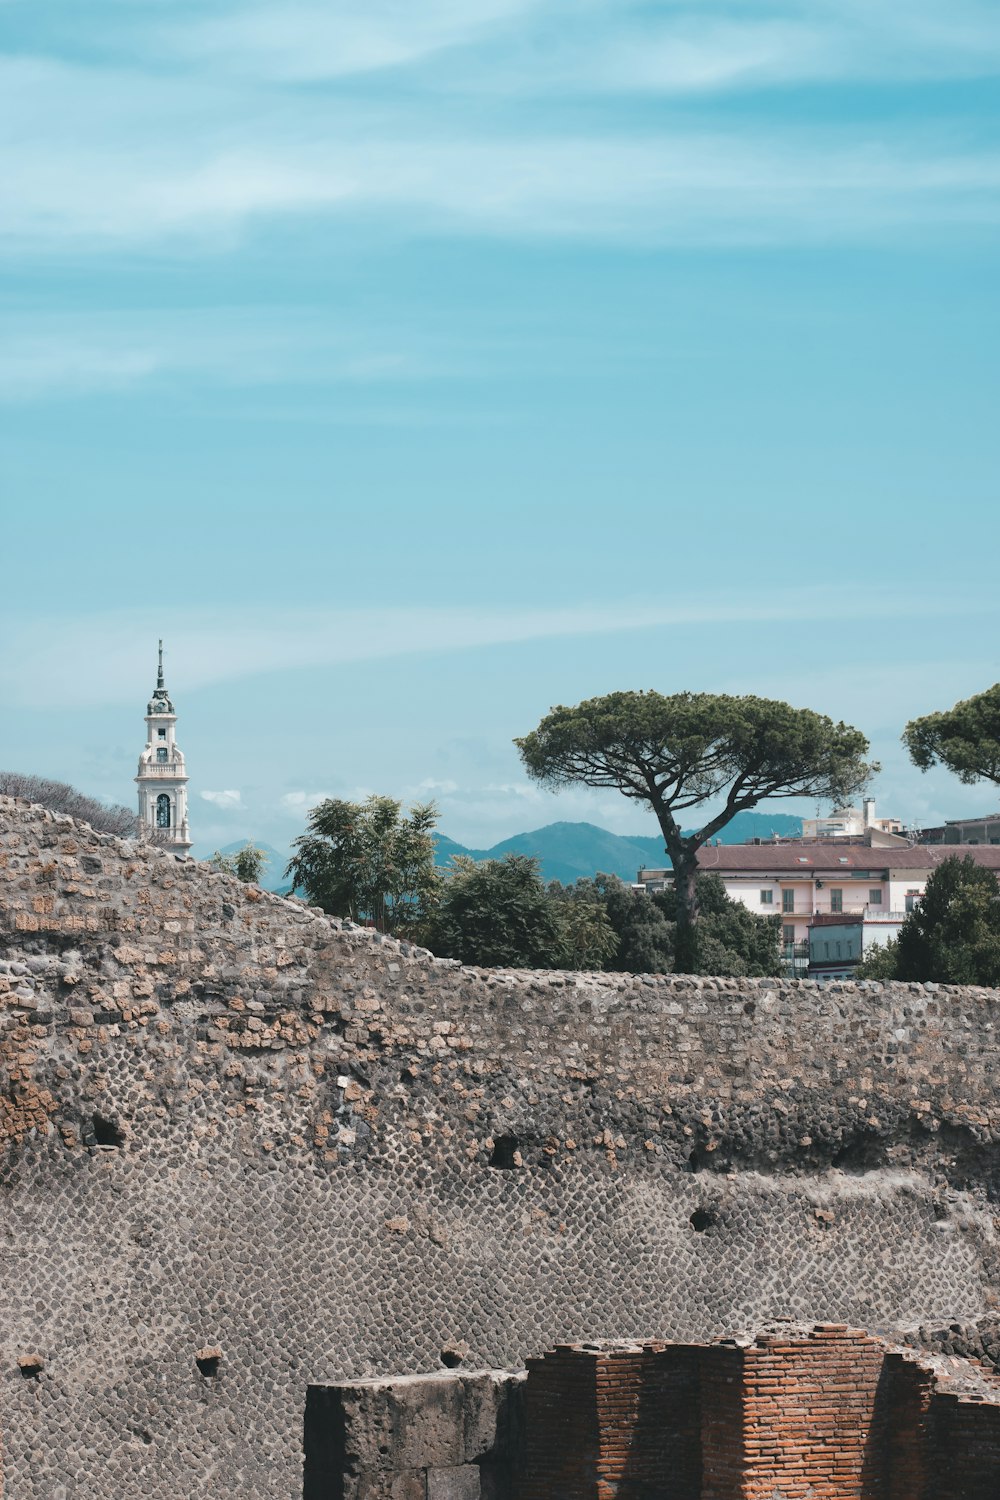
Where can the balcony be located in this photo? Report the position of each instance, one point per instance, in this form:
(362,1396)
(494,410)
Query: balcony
(161,768)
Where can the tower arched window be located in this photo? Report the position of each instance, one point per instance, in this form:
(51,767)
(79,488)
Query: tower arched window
(163,811)
(161,753)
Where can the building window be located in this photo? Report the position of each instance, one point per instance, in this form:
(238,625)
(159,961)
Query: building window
(767,898)
(912,897)
(875,896)
(161,753)
(163,811)
(836,901)
(789,932)
(162,733)
(788,901)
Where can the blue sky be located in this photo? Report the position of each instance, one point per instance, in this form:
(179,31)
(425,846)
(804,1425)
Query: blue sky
(413,368)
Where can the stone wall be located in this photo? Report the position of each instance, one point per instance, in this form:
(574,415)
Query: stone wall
(233,1124)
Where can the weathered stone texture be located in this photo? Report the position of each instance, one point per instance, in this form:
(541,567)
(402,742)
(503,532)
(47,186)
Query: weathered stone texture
(234,1124)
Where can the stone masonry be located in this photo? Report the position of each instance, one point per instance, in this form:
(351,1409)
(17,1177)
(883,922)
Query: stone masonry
(247,1149)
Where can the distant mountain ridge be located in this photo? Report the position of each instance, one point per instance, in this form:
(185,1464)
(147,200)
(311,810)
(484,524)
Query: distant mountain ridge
(565,851)
(575,851)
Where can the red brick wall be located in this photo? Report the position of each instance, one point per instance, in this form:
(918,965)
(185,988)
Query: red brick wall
(965,1435)
(824,1415)
(807,1409)
(619,1424)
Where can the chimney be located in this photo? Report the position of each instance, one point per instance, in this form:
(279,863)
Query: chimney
(869,806)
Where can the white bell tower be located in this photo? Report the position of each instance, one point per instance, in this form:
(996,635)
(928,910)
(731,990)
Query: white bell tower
(162,779)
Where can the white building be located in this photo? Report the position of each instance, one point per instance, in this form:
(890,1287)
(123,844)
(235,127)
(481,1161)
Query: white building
(850,822)
(801,881)
(162,778)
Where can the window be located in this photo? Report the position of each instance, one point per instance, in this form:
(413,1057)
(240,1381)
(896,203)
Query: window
(162,733)
(836,901)
(838,950)
(161,753)
(767,898)
(788,901)
(826,950)
(163,811)
(875,896)
(912,897)
(788,932)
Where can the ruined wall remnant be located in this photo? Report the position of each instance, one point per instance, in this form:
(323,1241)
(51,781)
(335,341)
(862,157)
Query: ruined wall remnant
(232,1124)
(828,1413)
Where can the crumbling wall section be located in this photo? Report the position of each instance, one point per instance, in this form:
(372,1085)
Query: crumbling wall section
(230,1123)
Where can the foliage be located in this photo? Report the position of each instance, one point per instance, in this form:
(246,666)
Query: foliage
(366,860)
(496,913)
(953,935)
(247,864)
(880,962)
(966,738)
(645,936)
(680,752)
(587,939)
(59,796)
(732,940)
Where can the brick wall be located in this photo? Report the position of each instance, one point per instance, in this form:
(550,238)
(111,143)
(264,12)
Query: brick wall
(612,1424)
(966,1448)
(828,1414)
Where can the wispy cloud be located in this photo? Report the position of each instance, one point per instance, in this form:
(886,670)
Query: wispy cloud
(306,42)
(229,801)
(113,651)
(85,161)
(52,354)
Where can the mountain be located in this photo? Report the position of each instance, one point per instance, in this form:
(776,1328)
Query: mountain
(573,851)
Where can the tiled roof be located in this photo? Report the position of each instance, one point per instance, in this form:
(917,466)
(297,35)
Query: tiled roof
(792,859)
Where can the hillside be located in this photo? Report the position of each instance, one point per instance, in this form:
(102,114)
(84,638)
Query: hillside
(572,851)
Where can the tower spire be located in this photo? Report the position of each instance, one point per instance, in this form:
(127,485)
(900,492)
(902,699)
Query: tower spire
(160,685)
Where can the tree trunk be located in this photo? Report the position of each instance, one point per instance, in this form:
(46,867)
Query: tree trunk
(685,863)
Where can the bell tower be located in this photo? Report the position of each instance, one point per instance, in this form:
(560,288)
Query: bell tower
(162,778)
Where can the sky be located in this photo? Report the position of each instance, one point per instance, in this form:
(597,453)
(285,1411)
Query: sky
(413,368)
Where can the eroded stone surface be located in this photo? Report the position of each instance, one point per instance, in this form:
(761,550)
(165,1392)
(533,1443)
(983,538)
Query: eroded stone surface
(231,1123)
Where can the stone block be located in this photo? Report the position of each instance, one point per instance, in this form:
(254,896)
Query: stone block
(454,1484)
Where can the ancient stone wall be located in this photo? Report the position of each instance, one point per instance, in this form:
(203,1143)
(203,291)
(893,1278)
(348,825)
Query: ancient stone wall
(233,1124)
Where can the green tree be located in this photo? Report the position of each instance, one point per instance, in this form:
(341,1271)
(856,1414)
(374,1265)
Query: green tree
(496,913)
(645,937)
(681,752)
(733,940)
(366,860)
(880,962)
(247,864)
(965,738)
(953,935)
(587,939)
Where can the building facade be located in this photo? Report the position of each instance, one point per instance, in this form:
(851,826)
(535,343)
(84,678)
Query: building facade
(806,882)
(162,778)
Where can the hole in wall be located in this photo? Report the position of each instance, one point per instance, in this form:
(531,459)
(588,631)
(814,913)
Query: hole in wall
(31,1366)
(506,1153)
(107,1133)
(208,1361)
(703,1218)
(450,1358)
